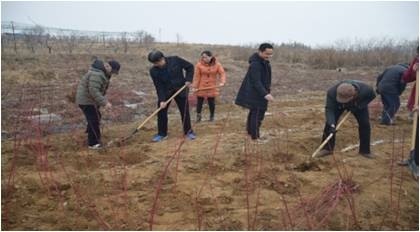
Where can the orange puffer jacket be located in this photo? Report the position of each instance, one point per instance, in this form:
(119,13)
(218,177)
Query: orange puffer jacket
(207,76)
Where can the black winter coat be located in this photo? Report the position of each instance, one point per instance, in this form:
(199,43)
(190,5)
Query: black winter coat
(365,95)
(170,78)
(390,82)
(256,84)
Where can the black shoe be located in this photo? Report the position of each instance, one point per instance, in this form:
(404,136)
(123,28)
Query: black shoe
(324,152)
(211,118)
(368,155)
(198,118)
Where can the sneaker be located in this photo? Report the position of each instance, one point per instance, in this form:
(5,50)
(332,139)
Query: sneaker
(368,155)
(198,118)
(211,119)
(191,135)
(403,162)
(414,168)
(324,152)
(159,138)
(97,146)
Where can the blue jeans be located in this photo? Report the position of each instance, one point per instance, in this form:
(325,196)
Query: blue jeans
(391,104)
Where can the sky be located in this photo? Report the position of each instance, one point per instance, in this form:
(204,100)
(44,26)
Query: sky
(236,23)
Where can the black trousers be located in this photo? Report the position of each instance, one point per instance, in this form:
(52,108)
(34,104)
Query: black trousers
(182,103)
(362,117)
(253,123)
(93,118)
(210,101)
(391,103)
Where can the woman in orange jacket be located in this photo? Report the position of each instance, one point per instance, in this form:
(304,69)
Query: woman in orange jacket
(209,76)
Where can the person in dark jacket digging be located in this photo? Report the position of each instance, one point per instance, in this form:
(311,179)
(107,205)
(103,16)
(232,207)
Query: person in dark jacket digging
(354,96)
(168,77)
(254,92)
(390,86)
(90,96)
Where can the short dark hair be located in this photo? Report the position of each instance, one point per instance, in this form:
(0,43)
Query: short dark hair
(264,46)
(155,56)
(207,52)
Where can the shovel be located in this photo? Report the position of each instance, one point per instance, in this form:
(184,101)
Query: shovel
(331,134)
(412,163)
(207,88)
(148,118)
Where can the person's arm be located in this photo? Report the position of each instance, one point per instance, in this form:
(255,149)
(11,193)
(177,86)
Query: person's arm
(160,90)
(95,83)
(255,80)
(222,75)
(197,78)
(410,74)
(330,107)
(189,69)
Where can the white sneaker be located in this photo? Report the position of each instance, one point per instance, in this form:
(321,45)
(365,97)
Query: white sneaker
(97,146)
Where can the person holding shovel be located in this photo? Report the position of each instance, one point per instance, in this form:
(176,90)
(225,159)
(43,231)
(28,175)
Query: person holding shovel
(90,96)
(168,77)
(353,96)
(254,93)
(209,75)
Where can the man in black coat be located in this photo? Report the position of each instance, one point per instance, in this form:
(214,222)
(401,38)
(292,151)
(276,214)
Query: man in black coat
(254,93)
(354,96)
(390,86)
(168,77)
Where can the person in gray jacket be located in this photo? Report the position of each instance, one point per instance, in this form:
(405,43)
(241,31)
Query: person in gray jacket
(353,96)
(90,96)
(390,86)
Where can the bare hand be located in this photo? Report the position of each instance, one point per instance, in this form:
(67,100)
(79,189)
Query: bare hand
(269,97)
(188,84)
(163,105)
(416,66)
(108,106)
(222,84)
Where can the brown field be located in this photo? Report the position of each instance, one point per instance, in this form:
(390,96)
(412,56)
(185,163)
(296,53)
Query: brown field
(220,181)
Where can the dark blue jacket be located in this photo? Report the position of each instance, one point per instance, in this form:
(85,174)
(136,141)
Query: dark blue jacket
(256,84)
(170,78)
(390,82)
(365,95)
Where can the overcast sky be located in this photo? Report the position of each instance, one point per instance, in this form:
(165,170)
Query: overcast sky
(312,23)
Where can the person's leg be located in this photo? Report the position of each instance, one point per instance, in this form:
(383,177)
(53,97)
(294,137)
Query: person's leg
(255,118)
(331,143)
(395,105)
(362,117)
(248,121)
(260,118)
(162,121)
(212,106)
(182,103)
(386,117)
(200,101)
(92,116)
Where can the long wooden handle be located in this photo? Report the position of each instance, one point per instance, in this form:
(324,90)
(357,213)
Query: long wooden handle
(331,134)
(160,108)
(207,88)
(416,113)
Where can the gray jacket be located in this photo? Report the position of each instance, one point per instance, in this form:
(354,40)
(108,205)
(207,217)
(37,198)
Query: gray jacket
(390,82)
(92,88)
